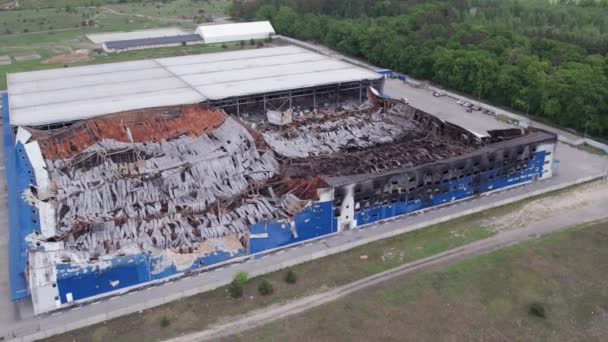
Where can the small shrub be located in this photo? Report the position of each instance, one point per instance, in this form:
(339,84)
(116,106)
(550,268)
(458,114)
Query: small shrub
(265,288)
(236,289)
(224,46)
(251,42)
(260,44)
(291,277)
(538,310)
(241,277)
(164,322)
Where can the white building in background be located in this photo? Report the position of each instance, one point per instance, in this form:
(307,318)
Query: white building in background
(235,32)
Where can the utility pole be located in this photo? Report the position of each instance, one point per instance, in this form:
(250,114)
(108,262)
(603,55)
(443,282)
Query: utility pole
(586,127)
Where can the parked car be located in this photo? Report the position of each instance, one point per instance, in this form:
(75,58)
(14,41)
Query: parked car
(466,104)
(407,101)
(468,109)
(476,108)
(438,93)
(460,102)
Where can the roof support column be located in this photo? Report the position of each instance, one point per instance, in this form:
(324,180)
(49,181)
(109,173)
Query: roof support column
(238,108)
(338,94)
(360,92)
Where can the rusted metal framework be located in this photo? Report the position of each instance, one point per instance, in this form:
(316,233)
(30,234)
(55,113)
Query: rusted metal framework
(311,97)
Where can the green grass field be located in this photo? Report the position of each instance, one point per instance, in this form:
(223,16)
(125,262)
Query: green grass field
(486,298)
(51,31)
(33,4)
(593,150)
(185,9)
(197,312)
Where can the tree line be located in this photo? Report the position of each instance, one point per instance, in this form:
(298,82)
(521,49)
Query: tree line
(545,58)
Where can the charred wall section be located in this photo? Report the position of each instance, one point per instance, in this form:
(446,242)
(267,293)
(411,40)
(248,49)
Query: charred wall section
(490,167)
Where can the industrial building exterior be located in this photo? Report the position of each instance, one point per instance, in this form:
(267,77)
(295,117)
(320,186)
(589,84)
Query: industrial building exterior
(204,34)
(127,174)
(235,32)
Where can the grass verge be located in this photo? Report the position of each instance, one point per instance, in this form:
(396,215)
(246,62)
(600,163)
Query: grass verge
(549,289)
(199,311)
(593,150)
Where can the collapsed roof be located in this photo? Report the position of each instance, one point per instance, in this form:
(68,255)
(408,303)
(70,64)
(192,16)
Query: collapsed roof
(184,180)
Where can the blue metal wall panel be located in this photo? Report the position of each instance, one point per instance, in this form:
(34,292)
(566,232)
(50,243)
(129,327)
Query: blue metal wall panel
(314,221)
(20,216)
(115,274)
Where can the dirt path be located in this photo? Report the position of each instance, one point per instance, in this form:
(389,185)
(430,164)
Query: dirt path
(149,17)
(567,216)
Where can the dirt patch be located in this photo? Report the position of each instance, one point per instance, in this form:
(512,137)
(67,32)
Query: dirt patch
(27,57)
(540,209)
(69,58)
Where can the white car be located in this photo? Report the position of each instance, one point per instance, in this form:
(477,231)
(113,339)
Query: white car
(466,104)
(460,102)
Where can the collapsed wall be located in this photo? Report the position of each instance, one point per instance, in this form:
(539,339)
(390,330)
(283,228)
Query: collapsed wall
(159,179)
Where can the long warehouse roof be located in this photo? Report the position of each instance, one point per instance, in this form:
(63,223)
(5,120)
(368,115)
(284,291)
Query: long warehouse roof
(131,43)
(69,94)
(235,31)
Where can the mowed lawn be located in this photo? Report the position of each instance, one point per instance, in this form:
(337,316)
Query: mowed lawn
(486,298)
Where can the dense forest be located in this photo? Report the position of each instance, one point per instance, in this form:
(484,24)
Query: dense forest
(545,58)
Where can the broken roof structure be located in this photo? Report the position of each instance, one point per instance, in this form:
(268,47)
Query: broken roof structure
(117,185)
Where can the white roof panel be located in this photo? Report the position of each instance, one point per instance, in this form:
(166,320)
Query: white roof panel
(281,82)
(250,63)
(88,108)
(215,32)
(285,70)
(277,52)
(68,94)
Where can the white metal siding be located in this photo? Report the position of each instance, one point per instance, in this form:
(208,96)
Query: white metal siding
(235,32)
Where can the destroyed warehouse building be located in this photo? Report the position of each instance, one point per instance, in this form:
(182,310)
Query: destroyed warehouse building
(117,187)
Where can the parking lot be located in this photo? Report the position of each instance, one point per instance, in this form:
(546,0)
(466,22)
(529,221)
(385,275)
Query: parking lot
(444,107)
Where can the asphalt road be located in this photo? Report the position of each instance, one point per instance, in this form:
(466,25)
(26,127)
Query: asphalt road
(443,107)
(258,318)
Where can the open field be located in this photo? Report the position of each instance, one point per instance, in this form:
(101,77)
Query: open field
(183,9)
(33,4)
(110,17)
(486,298)
(123,56)
(197,312)
(43,33)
